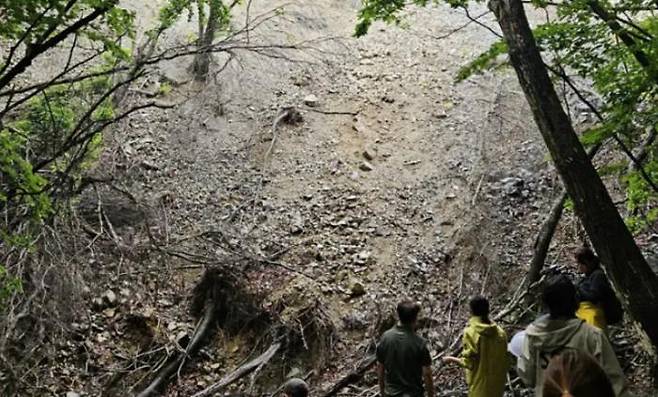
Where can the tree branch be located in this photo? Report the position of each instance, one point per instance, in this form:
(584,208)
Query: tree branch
(39,49)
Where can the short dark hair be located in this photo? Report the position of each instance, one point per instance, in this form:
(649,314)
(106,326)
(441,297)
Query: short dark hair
(559,297)
(480,307)
(296,387)
(408,311)
(587,257)
(575,373)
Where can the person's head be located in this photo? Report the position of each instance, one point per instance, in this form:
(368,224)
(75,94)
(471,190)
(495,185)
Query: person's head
(586,259)
(573,373)
(559,297)
(408,312)
(295,387)
(480,307)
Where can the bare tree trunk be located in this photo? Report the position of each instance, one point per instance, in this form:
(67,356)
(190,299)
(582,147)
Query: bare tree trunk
(544,238)
(201,65)
(547,230)
(621,257)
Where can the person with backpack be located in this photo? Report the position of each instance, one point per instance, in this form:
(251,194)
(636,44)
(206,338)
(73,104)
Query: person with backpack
(598,304)
(484,354)
(559,330)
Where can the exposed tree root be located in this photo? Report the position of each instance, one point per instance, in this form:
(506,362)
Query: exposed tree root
(214,303)
(352,377)
(241,372)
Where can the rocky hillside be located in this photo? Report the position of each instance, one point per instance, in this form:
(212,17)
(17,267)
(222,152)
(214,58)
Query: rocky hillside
(325,182)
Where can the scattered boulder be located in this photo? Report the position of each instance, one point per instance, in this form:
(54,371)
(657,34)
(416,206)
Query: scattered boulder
(149,166)
(368,153)
(109,298)
(311,100)
(297,226)
(356,321)
(440,114)
(512,186)
(356,288)
(366,166)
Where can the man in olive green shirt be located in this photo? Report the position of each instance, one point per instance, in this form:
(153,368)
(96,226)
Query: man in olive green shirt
(403,359)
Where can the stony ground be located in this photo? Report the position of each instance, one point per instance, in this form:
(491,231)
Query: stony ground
(397,182)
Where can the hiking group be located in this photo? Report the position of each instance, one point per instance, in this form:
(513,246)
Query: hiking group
(565,352)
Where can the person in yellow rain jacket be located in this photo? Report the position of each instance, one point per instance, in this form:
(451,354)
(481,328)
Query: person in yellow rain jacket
(595,295)
(484,354)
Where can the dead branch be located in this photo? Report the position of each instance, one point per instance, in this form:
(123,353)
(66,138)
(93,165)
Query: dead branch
(331,112)
(284,113)
(643,151)
(461,27)
(518,301)
(241,372)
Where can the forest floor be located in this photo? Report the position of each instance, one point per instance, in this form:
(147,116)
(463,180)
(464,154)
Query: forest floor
(397,182)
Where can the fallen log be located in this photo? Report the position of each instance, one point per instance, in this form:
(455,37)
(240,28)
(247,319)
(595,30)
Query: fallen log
(241,372)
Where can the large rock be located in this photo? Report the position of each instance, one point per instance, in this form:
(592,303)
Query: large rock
(110,298)
(366,166)
(311,100)
(368,153)
(356,288)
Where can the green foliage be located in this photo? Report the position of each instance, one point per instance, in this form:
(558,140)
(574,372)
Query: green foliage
(35,21)
(48,123)
(382,10)
(9,285)
(175,9)
(20,184)
(569,205)
(53,134)
(485,61)
(165,89)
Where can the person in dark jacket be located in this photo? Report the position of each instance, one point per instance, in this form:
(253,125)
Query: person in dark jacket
(404,364)
(593,290)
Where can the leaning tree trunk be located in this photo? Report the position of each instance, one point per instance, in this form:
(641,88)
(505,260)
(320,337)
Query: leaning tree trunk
(544,238)
(621,257)
(547,230)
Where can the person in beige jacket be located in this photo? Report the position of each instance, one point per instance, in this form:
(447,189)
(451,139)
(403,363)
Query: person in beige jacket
(560,330)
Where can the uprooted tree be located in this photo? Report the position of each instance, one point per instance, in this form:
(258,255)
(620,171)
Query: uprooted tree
(585,40)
